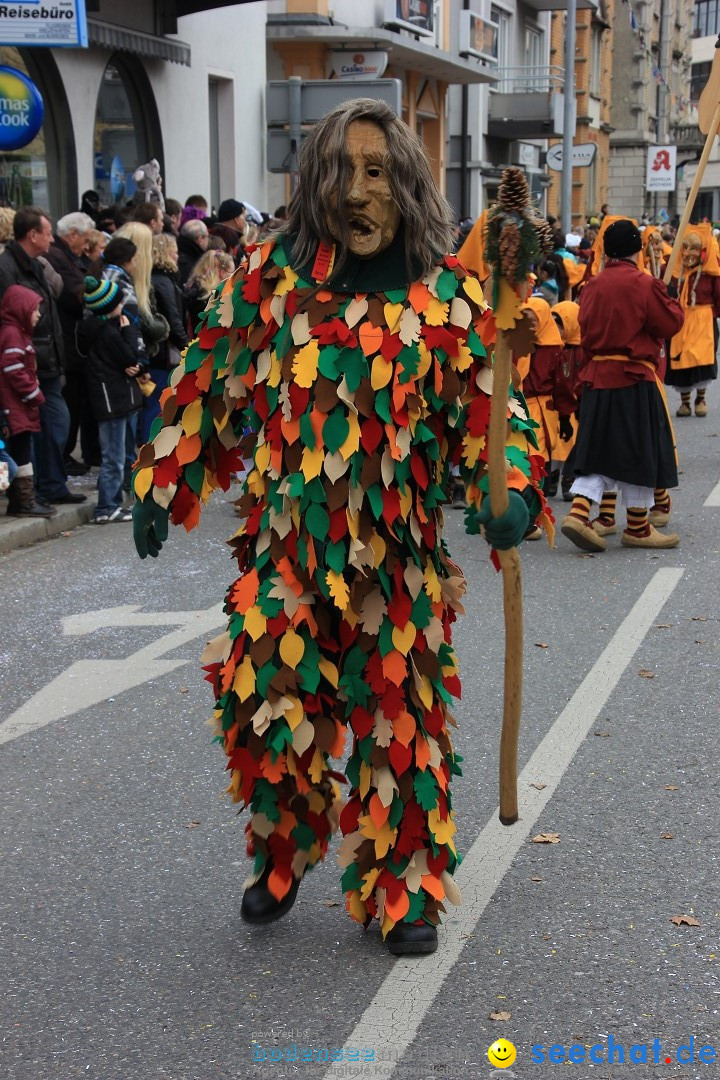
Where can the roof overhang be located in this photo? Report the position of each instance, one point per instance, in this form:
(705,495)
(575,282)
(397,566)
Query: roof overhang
(403,52)
(192,7)
(120,38)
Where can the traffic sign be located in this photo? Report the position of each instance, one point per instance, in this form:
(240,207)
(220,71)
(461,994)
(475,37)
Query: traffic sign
(583,155)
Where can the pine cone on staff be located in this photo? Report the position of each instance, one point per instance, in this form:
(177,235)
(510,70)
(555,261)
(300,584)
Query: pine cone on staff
(513,193)
(509,248)
(544,235)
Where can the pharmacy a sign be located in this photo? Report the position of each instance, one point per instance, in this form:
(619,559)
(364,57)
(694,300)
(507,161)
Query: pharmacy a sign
(21,109)
(55,23)
(661,168)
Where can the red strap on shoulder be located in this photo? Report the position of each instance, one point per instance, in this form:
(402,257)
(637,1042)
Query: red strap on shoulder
(323,262)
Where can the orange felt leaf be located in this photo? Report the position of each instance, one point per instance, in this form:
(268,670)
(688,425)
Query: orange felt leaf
(291,430)
(265,312)
(167,392)
(230,736)
(394,667)
(434,886)
(422,752)
(273,770)
(244,591)
(419,296)
(336,750)
(399,909)
(516,479)
(193,516)
(404,728)
(279,886)
(324,296)
(486,330)
(378,813)
(286,824)
(371,338)
(203,376)
(188,449)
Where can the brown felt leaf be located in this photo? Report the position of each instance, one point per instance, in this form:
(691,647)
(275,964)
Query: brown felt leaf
(546,838)
(684,920)
(501,1015)
(522,336)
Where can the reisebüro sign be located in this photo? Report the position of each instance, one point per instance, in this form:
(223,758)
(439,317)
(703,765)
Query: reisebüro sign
(21,109)
(55,23)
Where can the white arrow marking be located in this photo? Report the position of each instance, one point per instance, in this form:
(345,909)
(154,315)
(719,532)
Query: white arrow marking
(88,682)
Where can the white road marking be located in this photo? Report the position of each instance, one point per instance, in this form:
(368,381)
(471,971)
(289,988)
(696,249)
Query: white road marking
(713,498)
(391,1020)
(88,682)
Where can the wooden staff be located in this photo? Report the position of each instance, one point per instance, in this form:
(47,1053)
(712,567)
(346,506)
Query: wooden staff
(709,123)
(512,585)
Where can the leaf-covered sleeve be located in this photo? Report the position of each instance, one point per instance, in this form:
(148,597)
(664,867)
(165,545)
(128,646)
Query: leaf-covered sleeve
(195,442)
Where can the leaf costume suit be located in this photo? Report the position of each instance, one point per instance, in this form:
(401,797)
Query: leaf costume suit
(357,401)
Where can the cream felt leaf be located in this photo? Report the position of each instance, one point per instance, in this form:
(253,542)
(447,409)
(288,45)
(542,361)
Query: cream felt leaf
(335,466)
(281,524)
(451,890)
(434,633)
(277,309)
(348,846)
(413,577)
(302,736)
(255,260)
(235,388)
(262,366)
(410,327)
(416,870)
(385,785)
(261,719)
(300,329)
(380,895)
(305,365)
(285,403)
(225,309)
(262,825)
(217,649)
(382,729)
(432,279)
(387,468)
(460,313)
(484,380)
(166,440)
(345,395)
(282,591)
(354,312)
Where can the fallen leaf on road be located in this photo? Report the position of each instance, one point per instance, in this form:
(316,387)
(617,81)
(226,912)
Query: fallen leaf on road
(541,645)
(667,836)
(536,879)
(671,787)
(546,838)
(500,1015)
(645,674)
(663,625)
(331,903)
(699,618)
(684,920)
(538,786)
(184,690)
(602,734)
(192,825)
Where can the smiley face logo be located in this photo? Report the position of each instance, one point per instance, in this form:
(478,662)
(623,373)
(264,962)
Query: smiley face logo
(502,1053)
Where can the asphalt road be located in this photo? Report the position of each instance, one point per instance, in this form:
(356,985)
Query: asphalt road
(123,955)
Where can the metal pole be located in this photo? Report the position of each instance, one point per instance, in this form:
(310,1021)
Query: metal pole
(568,119)
(663,64)
(295,118)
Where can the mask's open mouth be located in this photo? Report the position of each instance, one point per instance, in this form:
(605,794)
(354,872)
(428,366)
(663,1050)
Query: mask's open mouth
(360,228)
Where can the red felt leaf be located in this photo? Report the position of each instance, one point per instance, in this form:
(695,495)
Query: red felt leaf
(478,416)
(299,398)
(338,524)
(400,757)
(361,721)
(419,471)
(251,287)
(391,505)
(452,685)
(391,346)
(350,815)
(370,434)
(183,503)
(374,673)
(399,610)
(393,700)
(437,337)
(186,391)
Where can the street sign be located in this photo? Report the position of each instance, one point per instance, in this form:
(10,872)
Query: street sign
(583,155)
(292,104)
(661,162)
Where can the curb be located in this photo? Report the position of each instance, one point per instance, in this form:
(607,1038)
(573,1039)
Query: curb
(18,532)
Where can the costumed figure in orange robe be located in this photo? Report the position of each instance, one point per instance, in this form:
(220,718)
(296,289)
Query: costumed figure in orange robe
(625,442)
(566,316)
(351,348)
(693,361)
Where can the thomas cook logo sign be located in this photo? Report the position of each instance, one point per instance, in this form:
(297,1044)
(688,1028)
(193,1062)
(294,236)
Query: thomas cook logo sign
(21,109)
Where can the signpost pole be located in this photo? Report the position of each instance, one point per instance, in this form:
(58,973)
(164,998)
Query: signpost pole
(568,119)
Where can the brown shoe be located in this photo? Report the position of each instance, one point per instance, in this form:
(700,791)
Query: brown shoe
(604,526)
(654,539)
(701,407)
(658,517)
(683,410)
(582,534)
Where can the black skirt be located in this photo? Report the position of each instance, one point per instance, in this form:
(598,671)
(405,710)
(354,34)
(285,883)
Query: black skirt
(685,378)
(625,435)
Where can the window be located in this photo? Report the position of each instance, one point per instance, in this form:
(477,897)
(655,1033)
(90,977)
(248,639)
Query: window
(501,18)
(534,52)
(706,19)
(127,130)
(595,72)
(699,75)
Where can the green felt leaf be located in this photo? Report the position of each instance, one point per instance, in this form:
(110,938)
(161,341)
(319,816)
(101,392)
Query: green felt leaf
(374,497)
(335,430)
(156,427)
(385,641)
(474,343)
(309,677)
(281,736)
(220,351)
(356,689)
(264,677)
(307,432)
(355,660)
(446,286)
(315,491)
(336,556)
(279,256)
(296,484)
(365,747)
(395,815)
(243,312)
(352,771)
(382,405)
(396,296)
(317,521)
(351,878)
(417,906)
(303,836)
(421,610)
(426,790)
(194,357)
(327,361)
(243,361)
(207,425)
(194,476)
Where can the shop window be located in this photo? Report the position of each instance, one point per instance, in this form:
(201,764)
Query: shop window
(126,129)
(39,174)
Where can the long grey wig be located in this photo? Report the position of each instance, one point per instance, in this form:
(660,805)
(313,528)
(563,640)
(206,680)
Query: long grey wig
(324,176)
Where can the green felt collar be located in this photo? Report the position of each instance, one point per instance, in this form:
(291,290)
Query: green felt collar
(386,271)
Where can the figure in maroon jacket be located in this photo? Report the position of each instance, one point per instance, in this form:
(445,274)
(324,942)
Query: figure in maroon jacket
(625,439)
(20,395)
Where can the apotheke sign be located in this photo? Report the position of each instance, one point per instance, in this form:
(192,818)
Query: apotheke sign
(359,65)
(583,156)
(51,23)
(21,109)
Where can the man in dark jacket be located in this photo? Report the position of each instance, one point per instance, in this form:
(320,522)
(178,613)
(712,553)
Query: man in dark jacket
(192,243)
(66,256)
(19,265)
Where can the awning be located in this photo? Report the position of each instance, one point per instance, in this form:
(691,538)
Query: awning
(403,52)
(191,7)
(121,38)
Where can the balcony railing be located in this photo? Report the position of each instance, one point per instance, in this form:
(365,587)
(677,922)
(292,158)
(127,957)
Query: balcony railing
(529,80)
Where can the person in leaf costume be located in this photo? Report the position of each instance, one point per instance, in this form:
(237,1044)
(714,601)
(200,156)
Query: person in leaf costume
(345,357)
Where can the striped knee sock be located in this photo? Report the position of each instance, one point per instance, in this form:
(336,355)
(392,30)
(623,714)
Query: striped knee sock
(581,508)
(662,500)
(685,396)
(637,521)
(607,507)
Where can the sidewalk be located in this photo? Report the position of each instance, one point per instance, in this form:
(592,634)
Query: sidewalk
(19,532)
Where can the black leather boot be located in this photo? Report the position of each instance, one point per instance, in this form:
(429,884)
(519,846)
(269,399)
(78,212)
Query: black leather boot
(260,906)
(22,501)
(412,939)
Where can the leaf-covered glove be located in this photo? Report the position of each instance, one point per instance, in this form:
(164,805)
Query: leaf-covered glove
(150,527)
(506,531)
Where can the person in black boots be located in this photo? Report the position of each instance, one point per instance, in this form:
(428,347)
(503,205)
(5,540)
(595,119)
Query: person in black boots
(20,396)
(20,265)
